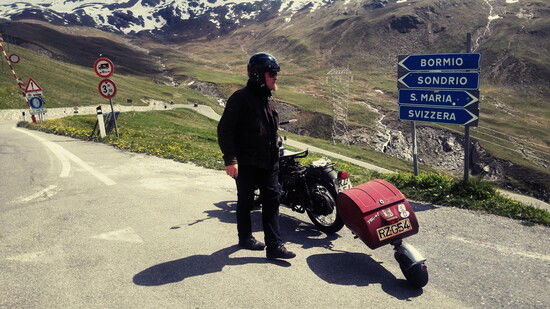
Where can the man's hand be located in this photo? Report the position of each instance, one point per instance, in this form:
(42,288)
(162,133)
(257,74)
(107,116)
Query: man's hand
(232,170)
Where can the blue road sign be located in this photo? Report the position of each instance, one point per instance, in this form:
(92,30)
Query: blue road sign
(441,62)
(458,116)
(36,102)
(436,80)
(442,98)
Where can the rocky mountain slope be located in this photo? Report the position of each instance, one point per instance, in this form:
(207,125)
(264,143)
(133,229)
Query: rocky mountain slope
(364,34)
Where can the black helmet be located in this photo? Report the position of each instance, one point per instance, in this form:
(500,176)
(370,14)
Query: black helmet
(259,64)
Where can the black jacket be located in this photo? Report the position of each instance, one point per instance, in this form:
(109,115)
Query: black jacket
(247,131)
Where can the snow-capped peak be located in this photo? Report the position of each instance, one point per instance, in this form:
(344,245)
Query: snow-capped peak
(133,16)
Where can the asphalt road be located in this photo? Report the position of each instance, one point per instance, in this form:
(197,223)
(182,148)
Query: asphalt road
(86,225)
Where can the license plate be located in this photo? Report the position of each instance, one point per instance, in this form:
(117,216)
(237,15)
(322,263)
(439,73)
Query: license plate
(344,185)
(389,231)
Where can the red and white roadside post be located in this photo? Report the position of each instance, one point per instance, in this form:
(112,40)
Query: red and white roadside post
(15,59)
(100,122)
(105,68)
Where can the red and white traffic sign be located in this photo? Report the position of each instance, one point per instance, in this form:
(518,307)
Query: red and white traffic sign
(104,67)
(32,86)
(30,95)
(107,88)
(14,58)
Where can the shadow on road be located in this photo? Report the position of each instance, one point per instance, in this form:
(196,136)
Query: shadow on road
(418,206)
(357,269)
(196,265)
(338,267)
(292,230)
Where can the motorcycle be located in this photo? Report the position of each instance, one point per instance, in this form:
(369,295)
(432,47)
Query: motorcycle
(376,211)
(310,189)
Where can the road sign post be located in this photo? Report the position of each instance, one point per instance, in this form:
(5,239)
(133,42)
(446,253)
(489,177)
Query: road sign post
(415,149)
(105,68)
(33,94)
(440,88)
(36,104)
(467,128)
(114,118)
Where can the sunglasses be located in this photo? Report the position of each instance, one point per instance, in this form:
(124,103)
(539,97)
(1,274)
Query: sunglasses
(273,73)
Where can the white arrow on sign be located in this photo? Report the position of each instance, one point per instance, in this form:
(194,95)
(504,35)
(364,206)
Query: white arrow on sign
(474,99)
(474,117)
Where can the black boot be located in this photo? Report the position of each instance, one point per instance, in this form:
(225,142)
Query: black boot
(279,252)
(251,244)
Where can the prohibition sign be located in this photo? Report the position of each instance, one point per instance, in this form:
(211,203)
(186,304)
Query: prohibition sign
(107,88)
(14,58)
(104,67)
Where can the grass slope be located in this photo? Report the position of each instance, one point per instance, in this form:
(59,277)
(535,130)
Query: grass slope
(66,84)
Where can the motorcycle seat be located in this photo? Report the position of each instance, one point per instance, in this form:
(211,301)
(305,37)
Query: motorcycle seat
(295,155)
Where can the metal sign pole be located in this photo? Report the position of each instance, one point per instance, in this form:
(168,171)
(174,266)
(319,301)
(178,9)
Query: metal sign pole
(415,151)
(467,127)
(114,117)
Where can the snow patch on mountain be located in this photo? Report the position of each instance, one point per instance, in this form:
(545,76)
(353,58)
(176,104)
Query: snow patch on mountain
(296,5)
(132,16)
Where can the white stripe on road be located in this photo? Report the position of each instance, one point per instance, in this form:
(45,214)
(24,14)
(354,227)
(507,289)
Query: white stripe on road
(29,257)
(102,177)
(502,249)
(41,193)
(57,148)
(65,164)
(127,234)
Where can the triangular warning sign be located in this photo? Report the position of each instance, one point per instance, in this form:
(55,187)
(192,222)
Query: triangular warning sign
(32,86)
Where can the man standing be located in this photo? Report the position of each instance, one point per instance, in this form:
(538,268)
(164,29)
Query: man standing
(247,135)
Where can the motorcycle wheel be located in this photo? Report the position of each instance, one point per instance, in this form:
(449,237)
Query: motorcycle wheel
(416,275)
(328,224)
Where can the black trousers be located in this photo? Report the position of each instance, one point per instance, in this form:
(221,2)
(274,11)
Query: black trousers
(250,178)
